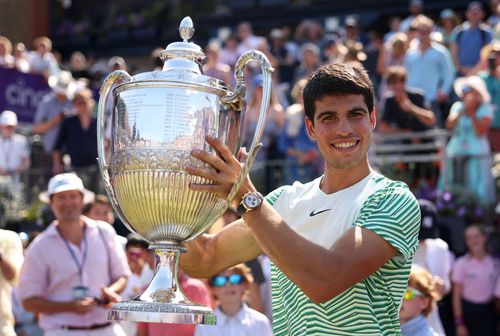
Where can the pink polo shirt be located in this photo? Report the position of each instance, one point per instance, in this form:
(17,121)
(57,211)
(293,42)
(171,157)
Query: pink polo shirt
(50,271)
(477,277)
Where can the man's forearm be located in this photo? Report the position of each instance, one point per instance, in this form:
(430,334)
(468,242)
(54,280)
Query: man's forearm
(41,305)
(118,285)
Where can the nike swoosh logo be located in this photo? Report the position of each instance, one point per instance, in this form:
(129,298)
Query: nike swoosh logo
(318,212)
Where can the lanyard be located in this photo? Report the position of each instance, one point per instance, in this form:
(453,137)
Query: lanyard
(79,264)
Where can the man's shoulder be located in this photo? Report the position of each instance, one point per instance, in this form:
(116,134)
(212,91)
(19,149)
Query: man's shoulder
(44,241)
(414,92)
(102,226)
(19,138)
(382,191)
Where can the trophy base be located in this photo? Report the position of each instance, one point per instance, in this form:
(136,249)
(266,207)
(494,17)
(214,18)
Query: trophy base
(162,312)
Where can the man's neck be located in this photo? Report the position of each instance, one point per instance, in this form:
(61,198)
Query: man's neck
(72,231)
(424,45)
(336,180)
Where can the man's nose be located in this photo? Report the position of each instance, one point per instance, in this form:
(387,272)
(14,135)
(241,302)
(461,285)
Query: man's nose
(344,127)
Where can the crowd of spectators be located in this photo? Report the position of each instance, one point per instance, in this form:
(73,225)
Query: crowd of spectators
(441,74)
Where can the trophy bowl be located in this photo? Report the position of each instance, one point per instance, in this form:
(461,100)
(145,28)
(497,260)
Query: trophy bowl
(157,119)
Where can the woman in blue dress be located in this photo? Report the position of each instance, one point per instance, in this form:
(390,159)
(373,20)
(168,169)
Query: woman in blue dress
(468,154)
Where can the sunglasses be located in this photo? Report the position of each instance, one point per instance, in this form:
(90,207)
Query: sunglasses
(221,281)
(134,254)
(411,293)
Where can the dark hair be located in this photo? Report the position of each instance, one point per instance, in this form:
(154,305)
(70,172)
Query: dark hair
(134,240)
(337,79)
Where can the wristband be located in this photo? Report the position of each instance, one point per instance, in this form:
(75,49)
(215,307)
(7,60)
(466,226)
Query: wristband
(459,321)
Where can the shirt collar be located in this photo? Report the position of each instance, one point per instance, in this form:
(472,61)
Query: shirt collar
(223,318)
(414,326)
(52,228)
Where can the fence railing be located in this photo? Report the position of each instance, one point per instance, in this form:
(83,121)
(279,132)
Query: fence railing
(408,147)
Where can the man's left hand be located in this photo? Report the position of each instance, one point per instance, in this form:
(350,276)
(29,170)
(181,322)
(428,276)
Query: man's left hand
(225,172)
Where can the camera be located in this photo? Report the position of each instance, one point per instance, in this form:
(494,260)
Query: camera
(101,301)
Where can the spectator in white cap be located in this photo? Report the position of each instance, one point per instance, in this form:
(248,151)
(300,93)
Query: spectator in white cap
(52,110)
(468,153)
(74,270)
(14,149)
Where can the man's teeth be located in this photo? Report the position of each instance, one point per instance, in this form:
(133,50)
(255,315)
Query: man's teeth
(344,145)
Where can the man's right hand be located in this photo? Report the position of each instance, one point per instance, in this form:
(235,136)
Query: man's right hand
(83,306)
(198,254)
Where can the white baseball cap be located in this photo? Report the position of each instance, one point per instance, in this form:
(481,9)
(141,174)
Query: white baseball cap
(63,84)
(8,118)
(66,182)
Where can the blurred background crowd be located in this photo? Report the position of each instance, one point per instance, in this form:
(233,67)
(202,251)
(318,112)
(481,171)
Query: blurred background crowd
(435,67)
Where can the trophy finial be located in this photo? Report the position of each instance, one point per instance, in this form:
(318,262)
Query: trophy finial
(186,29)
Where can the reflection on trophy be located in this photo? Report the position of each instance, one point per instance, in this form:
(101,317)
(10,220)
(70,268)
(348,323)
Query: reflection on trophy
(158,118)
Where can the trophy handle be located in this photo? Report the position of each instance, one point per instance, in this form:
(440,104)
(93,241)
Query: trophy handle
(237,97)
(105,91)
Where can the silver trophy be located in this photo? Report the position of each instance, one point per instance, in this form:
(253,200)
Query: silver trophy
(157,119)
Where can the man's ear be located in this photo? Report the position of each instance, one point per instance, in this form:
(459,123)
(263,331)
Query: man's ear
(373,118)
(310,128)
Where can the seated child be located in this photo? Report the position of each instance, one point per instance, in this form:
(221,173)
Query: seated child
(421,294)
(234,317)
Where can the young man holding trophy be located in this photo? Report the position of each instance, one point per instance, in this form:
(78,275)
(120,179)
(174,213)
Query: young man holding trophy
(341,245)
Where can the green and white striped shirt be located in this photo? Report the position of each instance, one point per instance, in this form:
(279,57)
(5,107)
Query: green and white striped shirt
(371,306)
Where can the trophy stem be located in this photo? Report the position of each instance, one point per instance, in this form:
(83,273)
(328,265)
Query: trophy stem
(163,300)
(165,286)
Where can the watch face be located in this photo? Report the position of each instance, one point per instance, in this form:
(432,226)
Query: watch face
(252,201)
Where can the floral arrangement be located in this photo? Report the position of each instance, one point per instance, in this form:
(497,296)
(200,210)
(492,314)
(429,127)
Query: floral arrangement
(13,206)
(456,202)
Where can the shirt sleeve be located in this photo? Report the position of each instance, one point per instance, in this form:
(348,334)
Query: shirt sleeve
(273,196)
(34,277)
(41,112)
(393,213)
(448,71)
(118,260)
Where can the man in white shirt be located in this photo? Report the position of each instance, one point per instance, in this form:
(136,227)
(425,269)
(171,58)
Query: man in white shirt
(14,149)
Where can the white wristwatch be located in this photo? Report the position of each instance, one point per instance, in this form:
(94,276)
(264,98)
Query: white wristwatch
(250,201)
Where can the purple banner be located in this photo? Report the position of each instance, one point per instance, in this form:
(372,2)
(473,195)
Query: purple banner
(21,93)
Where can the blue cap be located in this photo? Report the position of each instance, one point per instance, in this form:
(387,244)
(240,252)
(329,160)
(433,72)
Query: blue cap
(447,13)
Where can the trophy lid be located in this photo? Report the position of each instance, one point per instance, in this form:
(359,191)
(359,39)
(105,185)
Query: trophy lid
(184,55)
